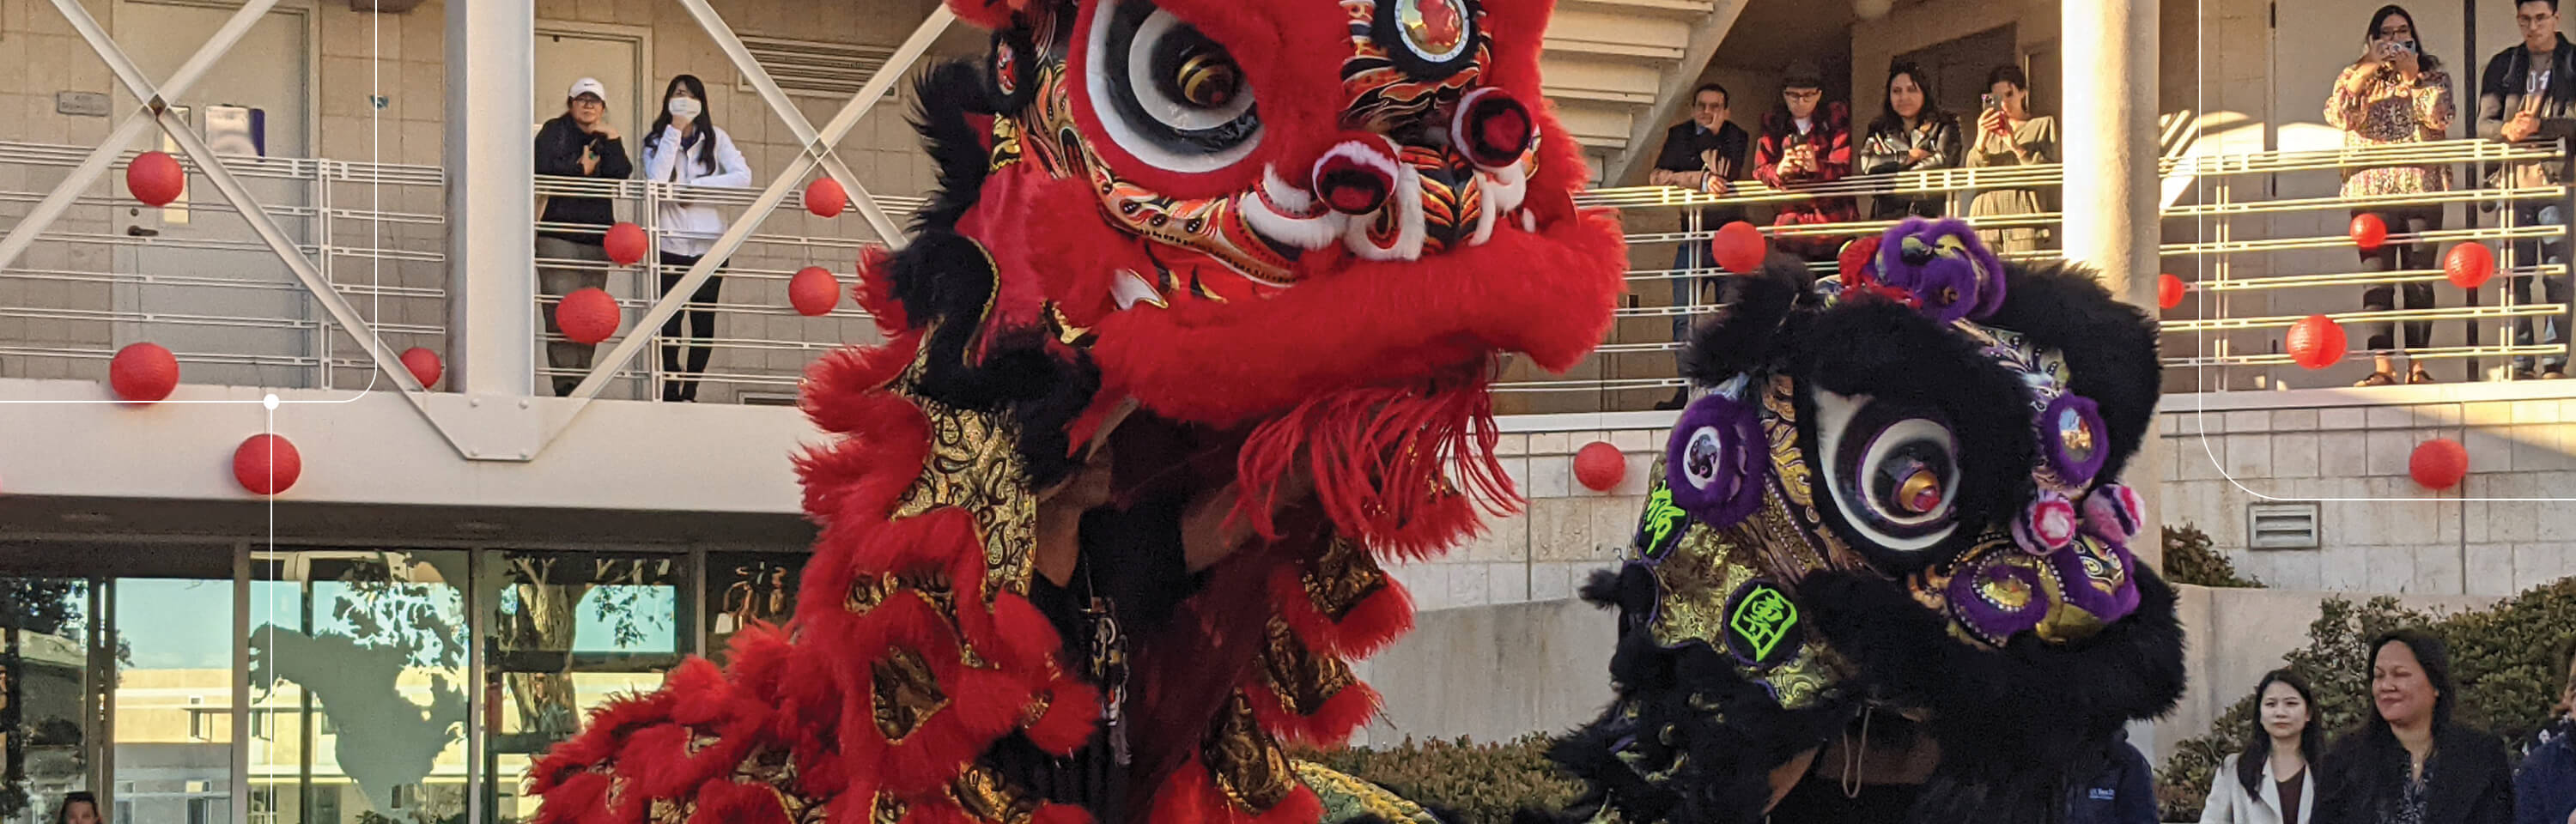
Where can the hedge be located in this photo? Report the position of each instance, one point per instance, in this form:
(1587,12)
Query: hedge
(2190,559)
(2500,657)
(1481,783)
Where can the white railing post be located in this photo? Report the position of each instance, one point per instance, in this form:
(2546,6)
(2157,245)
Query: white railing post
(2109,197)
(491,158)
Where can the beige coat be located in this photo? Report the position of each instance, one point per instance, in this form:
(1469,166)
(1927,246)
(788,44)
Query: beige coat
(2230,804)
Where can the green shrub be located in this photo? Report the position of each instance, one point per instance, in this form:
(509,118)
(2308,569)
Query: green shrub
(2500,657)
(2189,559)
(1482,783)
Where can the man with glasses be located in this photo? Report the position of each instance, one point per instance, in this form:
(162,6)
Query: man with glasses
(2527,92)
(1704,154)
(579,143)
(1806,141)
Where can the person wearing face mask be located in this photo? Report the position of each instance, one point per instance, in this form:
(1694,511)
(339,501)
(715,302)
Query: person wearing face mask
(2544,792)
(580,143)
(2269,782)
(2408,762)
(2394,95)
(684,147)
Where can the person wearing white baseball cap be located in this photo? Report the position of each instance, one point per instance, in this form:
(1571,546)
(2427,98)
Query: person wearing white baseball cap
(570,258)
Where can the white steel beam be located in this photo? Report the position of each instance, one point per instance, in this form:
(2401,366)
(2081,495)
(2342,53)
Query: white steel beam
(605,368)
(714,24)
(46,211)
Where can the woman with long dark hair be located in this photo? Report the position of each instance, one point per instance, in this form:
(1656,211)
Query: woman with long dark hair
(1911,134)
(685,147)
(2010,134)
(2408,762)
(2269,782)
(2395,94)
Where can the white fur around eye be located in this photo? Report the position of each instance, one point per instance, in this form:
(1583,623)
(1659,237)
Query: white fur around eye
(1834,418)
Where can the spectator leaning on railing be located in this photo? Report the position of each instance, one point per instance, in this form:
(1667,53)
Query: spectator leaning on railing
(1806,141)
(2010,134)
(2529,91)
(2395,94)
(1910,135)
(684,146)
(580,143)
(1704,154)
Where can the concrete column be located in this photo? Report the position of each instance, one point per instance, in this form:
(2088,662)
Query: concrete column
(491,160)
(2108,134)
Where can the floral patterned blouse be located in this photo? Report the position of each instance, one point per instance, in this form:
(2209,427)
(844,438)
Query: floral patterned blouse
(2385,110)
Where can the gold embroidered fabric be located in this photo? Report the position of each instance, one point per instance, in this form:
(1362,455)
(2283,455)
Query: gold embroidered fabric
(1342,577)
(1243,760)
(987,797)
(973,467)
(905,693)
(1300,679)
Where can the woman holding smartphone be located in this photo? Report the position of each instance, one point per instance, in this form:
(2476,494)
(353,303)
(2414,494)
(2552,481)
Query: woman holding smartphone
(2009,134)
(2395,94)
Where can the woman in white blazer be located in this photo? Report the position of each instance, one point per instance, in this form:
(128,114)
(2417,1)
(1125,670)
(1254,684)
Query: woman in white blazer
(2270,782)
(685,147)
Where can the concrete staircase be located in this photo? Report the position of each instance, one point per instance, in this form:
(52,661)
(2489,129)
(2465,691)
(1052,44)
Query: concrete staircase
(1619,70)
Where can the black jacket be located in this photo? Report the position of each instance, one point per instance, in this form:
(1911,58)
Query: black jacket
(2363,773)
(1890,143)
(559,146)
(2500,89)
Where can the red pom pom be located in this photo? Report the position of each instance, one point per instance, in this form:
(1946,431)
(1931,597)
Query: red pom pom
(143,372)
(2169,291)
(2468,265)
(825,198)
(155,178)
(813,291)
(1855,258)
(625,243)
(2368,231)
(587,316)
(2316,342)
(424,365)
(1739,248)
(2439,463)
(1600,466)
(266,464)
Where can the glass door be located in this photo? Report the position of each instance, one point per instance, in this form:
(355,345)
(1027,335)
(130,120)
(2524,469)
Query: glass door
(358,686)
(568,631)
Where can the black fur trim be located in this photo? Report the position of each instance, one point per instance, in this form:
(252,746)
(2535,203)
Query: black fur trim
(1894,354)
(1747,332)
(943,97)
(1718,734)
(946,279)
(2109,345)
(2007,755)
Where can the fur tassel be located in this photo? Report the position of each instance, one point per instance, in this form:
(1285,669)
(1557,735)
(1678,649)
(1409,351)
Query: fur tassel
(1190,796)
(1328,726)
(1060,814)
(1382,461)
(1365,628)
(1072,708)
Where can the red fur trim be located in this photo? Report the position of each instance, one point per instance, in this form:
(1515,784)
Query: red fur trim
(1191,796)
(726,802)
(1060,814)
(1378,459)
(1073,711)
(1365,628)
(1328,726)
(875,292)
(990,14)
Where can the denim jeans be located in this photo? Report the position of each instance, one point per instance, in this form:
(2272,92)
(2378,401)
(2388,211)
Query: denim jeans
(2553,288)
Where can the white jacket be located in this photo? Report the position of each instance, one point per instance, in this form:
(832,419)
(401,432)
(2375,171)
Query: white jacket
(692,228)
(2229,803)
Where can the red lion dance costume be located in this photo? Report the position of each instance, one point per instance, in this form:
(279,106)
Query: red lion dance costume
(1198,329)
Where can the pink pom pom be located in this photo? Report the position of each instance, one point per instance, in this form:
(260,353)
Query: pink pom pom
(2113,513)
(2047,526)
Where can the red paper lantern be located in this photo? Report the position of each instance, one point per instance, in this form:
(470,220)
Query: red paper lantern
(1599,466)
(813,291)
(1739,247)
(155,178)
(266,464)
(2169,291)
(2368,231)
(2468,265)
(2316,342)
(825,198)
(625,243)
(143,372)
(424,365)
(2439,463)
(587,316)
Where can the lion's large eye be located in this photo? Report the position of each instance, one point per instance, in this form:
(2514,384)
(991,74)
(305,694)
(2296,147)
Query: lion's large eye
(1893,471)
(1168,94)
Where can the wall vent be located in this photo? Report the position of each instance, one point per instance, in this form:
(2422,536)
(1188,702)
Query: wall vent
(813,68)
(2281,526)
(765,398)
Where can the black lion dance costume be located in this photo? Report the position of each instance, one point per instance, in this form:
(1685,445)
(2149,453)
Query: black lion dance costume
(1898,496)
(1199,328)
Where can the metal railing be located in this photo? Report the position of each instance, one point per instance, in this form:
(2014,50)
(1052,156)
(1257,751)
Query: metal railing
(194,277)
(2260,254)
